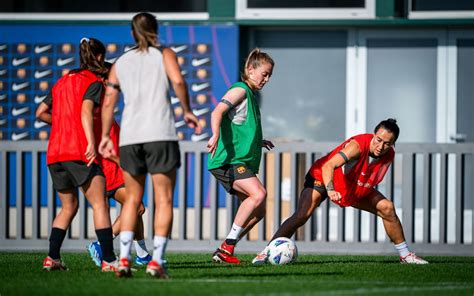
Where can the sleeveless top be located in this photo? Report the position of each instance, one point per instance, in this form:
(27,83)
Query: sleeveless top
(355,179)
(68,140)
(147,115)
(240,142)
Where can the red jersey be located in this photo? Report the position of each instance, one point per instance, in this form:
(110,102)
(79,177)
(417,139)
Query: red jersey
(355,179)
(68,141)
(112,171)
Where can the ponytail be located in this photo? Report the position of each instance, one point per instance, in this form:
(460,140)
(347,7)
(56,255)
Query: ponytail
(89,52)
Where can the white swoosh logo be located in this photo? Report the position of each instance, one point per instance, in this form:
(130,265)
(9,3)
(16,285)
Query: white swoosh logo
(39,124)
(3,97)
(41,49)
(178,49)
(17,62)
(62,62)
(127,48)
(3,121)
(111,60)
(199,112)
(41,74)
(39,99)
(184,72)
(179,123)
(16,137)
(200,62)
(197,138)
(2,72)
(16,87)
(174,100)
(199,87)
(16,112)
(3,46)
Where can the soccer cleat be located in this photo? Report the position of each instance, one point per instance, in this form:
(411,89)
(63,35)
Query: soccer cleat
(226,248)
(411,258)
(123,269)
(220,256)
(261,257)
(109,267)
(156,270)
(143,260)
(50,264)
(95,252)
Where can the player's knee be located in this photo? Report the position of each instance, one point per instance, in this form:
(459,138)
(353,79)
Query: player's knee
(387,209)
(260,196)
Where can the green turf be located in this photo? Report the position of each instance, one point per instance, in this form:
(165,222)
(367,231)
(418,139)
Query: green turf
(194,274)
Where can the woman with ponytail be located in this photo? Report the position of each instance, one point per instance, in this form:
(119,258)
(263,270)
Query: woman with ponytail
(235,150)
(148,139)
(71,155)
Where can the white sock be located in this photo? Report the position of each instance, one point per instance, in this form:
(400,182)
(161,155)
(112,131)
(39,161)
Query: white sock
(234,232)
(159,248)
(402,249)
(126,238)
(140,247)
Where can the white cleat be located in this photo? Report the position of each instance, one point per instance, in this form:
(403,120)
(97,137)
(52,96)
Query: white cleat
(411,258)
(261,257)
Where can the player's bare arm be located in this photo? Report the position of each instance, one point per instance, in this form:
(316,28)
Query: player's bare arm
(88,126)
(232,98)
(106,147)
(43,113)
(348,153)
(180,88)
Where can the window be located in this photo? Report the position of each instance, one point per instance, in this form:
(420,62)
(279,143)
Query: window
(305,9)
(441,9)
(107,9)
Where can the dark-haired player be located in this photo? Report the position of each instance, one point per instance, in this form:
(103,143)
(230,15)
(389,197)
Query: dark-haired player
(347,175)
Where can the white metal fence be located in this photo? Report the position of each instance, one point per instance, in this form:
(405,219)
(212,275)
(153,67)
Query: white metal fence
(430,184)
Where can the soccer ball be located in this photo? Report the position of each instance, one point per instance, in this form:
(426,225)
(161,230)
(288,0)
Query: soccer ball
(281,251)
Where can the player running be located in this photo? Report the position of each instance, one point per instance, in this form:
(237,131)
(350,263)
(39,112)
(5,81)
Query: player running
(148,139)
(71,154)
(348,175)
(235,150)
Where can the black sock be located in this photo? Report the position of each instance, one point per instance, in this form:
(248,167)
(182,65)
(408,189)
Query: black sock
(105,238)
(231,242)
(55,242)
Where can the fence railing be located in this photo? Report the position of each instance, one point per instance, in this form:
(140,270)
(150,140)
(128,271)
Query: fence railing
(430,184)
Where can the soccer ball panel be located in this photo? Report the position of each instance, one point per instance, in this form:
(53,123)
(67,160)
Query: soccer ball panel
(281,251)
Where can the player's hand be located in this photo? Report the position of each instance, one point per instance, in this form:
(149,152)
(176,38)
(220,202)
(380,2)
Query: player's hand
(334,196)
(193,122)
(212,144)
(106,147)
(90,154)
(267,144)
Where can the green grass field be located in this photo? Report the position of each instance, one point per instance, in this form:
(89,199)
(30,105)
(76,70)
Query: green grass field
(194,274)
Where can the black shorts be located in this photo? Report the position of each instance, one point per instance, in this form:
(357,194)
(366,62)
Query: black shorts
(227,174)
(72,174)
(315,184)
(153,157)
(111,193)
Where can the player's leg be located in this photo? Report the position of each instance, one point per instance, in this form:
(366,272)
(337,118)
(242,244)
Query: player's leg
(163,185)
(69,206)
(139,240)
(134,186)
(377,204)
(256,216)
(309,200)
(252,194)
(95,194)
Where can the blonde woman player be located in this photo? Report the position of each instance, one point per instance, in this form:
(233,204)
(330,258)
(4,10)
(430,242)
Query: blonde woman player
(235,150)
